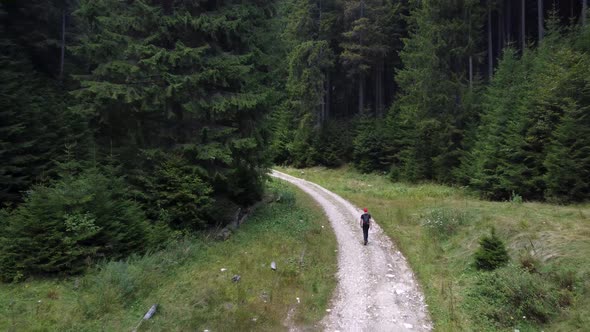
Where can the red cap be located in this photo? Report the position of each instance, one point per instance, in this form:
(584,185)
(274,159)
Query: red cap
(365,209)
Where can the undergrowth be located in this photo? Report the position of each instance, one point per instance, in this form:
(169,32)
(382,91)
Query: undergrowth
(191,280)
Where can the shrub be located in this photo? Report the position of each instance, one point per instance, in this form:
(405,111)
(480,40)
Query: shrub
(511,296)
(370,145)
(172,191)
(301,150)
(333,143)
(491,253)
(67,225)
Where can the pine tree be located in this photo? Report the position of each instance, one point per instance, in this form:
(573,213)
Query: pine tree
(525,105)
(492,253)
(310,60)
(484,167)
(556,76)
(35,122)
(433,83)
(186,78)
(370,151)
(568,158)
(172,192)
(83,217)
(364,48)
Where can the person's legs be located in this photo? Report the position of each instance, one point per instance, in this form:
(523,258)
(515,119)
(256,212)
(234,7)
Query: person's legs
(366,233)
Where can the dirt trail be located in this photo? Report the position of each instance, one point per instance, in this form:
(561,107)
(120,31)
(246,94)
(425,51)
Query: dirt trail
(376,288)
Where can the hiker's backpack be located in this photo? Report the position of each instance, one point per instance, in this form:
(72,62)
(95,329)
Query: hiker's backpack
(366,219)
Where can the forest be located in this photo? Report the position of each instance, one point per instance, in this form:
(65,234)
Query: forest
(127,123)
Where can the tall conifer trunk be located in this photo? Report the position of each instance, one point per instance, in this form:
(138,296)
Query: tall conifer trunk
(522,25)
(470,71)
(470,55)
(361,75)
(500,30)
(361,92)
(509,21)
(322,115)
(328,97)
(490,51)
(584,11)
(63,44)
(540,18)
(379,89)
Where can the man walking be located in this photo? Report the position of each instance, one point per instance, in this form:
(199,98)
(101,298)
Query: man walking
(366,224)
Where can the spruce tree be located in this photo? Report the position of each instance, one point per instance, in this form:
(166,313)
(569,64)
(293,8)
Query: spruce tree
(62,227)
(492,253)
(310,60)
(568,157)
(365,43)
(527,103)
(433,85)
(370,151)
(557,76)
(484,167)
(182,77)
(35,121)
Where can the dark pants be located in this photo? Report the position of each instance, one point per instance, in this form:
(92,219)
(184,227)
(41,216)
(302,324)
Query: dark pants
(366,232)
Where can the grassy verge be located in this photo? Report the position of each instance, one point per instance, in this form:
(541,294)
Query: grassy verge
(547,284)
(188,283)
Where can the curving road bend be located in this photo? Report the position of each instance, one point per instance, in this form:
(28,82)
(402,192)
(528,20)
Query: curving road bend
(376,288)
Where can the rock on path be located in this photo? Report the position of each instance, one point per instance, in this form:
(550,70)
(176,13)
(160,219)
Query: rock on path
(376,288)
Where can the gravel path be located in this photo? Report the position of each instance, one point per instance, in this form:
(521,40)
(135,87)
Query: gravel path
(376,288)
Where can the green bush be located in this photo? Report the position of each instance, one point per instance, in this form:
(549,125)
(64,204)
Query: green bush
(492,253)
(171,191)
(370,146)
(64,227)
(301,150)
(512,297)
(334,143)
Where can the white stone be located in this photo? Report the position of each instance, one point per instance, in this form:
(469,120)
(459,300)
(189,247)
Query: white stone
(408,326)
